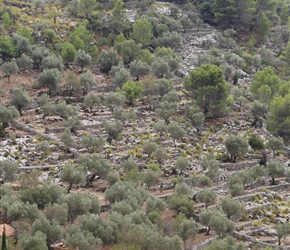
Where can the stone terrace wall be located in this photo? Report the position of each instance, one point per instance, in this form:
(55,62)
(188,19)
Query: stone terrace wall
(204,244)
(237,166)
(251,239)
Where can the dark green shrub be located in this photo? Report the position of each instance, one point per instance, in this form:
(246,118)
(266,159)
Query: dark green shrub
(256,142)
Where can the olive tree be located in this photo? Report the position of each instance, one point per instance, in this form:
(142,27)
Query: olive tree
(236,189)
(93,165)
(176,131)
(20,99)
(160,67)
(25,62)
(169,39)
(72,83)
(57,212)
(72,175)
(236,146)
(192,112)
(160,154)
(139,69)
(227,243)
(65,110)
(82,59)
(113,129)
(282,230)
(87,80)
(129,164)
(167,110)
(50,78)
(129,50)
(124,191)
(38,54)
(121,76)
(123,115)
(67,139)
(182,163)
(7,115)
(33,242)
(39,4)
(92,143)
(78,238)
(186,229)
(150,177)
(92,100)
(52,231)
(182,188)
(232,207)
(107,59)
(275,170)
(10,68)
(181,203)
(258,110)
(155,204)
(160,127)
(207,196)
(164,86)
(22,44)
(222,226)
(52,61)
(149,147)
(73,123)
(204,181)
(113,100)
(8,171)
(206,215)
(171,96)
(275,144)
(81,203)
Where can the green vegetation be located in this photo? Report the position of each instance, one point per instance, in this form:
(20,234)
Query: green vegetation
(105,109)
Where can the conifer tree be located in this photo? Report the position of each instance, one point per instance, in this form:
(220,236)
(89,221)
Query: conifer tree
(4,243)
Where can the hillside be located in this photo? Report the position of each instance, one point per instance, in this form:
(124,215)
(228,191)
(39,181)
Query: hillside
(145,125)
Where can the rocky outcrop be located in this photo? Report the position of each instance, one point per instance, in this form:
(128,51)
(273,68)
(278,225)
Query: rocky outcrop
(194,42)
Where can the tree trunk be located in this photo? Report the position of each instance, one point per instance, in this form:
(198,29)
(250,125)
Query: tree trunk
(234,159)
(273,180)
(71,220)
(69,188)
(207,232)
(90,179)
(205,108)
(49,247)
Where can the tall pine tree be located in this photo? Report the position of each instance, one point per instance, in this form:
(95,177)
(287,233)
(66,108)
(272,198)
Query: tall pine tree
(264,27)
(260,6)
(243,14)
(4,243)
(225,13)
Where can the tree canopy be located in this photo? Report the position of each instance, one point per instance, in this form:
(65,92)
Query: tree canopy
(207,86)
